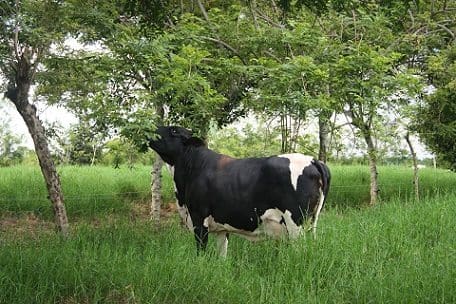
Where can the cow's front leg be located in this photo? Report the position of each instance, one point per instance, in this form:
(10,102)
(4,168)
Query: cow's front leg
(201,235)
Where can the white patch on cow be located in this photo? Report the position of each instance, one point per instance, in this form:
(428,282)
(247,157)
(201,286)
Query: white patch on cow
(317,213)
(275,224)
(222,244)
(297,164)
(212,226)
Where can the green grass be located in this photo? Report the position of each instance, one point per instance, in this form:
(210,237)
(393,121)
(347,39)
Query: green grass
(350,184)
(400,251)
(97,191)
(88,191)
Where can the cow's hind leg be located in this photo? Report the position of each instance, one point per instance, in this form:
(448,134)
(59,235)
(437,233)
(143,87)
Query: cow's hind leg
(222,243)
(201,236)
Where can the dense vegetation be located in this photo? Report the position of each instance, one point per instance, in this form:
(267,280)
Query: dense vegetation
(400,251)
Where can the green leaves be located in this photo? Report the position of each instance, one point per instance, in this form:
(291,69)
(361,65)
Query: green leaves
(435,118)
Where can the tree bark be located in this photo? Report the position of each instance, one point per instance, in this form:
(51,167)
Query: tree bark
(324,131)
(372,154)
(415,167)
(19,96)
(156,185)
(94,153)
(156,178)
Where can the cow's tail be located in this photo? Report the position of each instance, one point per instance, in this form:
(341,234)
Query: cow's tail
(325,176)
(325,181)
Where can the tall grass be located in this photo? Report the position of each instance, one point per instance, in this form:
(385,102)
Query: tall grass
(94,191)
(350,184)
(400,252)
(88,191)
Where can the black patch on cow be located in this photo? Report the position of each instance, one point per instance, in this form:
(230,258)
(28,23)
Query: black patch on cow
(308,188)
(195,142)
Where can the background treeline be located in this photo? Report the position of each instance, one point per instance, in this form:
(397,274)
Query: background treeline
(78,146)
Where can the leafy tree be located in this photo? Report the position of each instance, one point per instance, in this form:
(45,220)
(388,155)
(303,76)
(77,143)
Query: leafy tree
(119,151)
(434,28)
(84,145)
(436,115)
(370,81)
(250,141)
(143,77)
(27,31)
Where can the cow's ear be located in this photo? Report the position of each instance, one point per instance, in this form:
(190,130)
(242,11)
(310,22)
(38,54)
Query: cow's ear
(195,142)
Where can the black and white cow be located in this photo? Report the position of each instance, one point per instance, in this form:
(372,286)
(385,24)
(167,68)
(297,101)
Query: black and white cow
(252,197)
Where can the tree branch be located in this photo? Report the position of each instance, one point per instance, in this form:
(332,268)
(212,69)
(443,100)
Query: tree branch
(446,29)
(268,20)
(16,33)
(252,6)
(39,52)
(203,10)
(227,46)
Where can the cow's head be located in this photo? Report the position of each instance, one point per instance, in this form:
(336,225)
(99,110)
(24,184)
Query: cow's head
(170,142)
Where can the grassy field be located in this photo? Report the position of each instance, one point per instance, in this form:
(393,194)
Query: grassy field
(88,191)
(350,184)
(400,251)
(94,191)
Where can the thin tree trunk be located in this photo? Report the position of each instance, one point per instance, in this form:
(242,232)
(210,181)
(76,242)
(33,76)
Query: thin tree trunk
(324,131)
(25,67)
(156,178)
(372,154)
(415,167)
(156,185)
(281,134)
(19,96)
(94,153)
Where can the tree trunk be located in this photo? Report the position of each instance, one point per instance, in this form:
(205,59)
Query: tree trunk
(94,153)
(415,167)
(19,96)
(324,130)
(372,154)
(156,178)
(155,187)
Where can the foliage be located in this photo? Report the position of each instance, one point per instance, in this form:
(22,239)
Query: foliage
(257,140)
(84,145)
(11,150)
(120,151)
(436,116)
(249,142)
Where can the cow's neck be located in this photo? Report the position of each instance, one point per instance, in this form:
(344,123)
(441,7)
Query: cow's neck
(194,160)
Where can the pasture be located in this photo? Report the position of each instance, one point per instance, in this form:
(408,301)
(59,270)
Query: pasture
(400,251)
